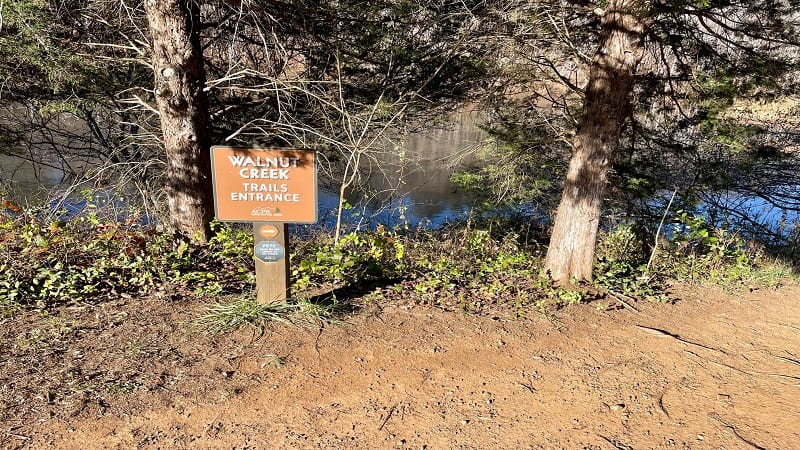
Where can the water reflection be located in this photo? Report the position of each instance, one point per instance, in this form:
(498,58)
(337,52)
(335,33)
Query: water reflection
(24,179)
(56,149)
(408,185)
(413,185)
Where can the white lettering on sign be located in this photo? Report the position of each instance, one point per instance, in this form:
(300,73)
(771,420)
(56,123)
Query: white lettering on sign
(266,174)
(264,197)
(258,161)
(255,187)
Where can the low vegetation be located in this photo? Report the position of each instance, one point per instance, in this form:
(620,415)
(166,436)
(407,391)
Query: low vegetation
(479,266)
(693,252)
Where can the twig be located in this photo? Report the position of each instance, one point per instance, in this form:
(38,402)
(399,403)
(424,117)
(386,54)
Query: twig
(658,231)
(136,100)
(19,436)
(388,416)
(207,429)
(619,297)
(664,333)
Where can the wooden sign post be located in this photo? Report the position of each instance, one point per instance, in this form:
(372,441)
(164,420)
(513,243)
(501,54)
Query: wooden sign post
(272,261)
(269,188)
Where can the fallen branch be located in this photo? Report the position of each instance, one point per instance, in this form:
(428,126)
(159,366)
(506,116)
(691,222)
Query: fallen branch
(663,333)
(618,296)
(388,416)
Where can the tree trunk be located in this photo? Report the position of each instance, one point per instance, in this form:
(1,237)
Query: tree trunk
(179,81)
(570,255)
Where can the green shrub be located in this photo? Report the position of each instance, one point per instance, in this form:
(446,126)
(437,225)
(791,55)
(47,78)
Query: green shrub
(356,257)
(87,258)
(621,265)
(700,252)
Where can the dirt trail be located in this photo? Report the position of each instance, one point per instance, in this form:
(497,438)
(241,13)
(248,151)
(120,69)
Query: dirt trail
(712,371)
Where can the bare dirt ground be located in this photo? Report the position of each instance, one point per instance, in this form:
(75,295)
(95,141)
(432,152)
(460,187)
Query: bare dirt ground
(712,371)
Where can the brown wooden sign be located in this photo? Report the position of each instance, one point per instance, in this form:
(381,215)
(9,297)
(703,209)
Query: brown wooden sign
(264,185)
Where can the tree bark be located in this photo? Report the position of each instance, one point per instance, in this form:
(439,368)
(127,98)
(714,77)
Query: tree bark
(570,255)
(179,81)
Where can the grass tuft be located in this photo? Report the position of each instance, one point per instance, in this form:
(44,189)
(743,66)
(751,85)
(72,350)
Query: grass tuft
(244,310)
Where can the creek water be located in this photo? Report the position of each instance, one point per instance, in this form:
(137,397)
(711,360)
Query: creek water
(412,187)
(409,184)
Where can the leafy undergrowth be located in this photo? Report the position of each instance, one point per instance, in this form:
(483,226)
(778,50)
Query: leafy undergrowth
(695,253)
(86,259)
(493,267)
(489,268)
